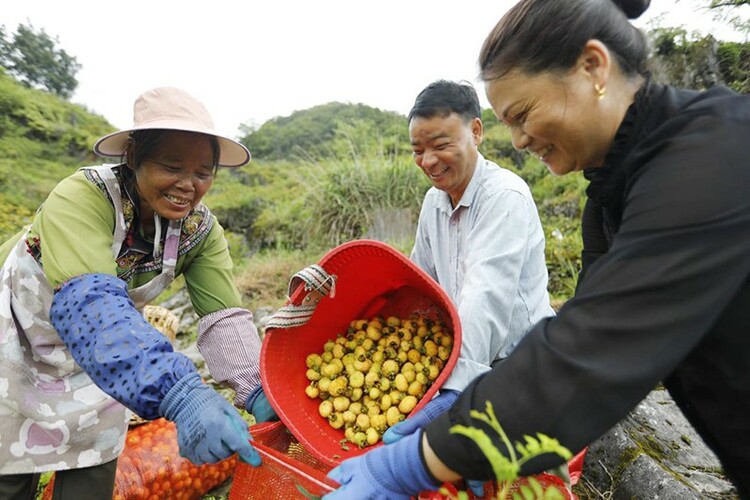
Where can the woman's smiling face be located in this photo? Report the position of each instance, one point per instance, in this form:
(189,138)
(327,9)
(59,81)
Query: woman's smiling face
(173,180)
(555,118)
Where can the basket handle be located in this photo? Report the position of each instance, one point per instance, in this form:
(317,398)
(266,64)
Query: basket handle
(306,288)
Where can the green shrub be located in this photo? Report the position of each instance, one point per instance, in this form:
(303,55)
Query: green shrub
(14,218)
(342,202)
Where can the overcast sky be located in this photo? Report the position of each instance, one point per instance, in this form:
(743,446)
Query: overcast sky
(250,61)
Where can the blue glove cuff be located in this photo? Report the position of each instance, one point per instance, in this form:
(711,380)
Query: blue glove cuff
(445,400)
(259,406)
(431,410)
(177,398)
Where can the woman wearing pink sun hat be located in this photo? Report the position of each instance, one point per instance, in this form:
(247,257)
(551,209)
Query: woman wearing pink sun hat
(76,354)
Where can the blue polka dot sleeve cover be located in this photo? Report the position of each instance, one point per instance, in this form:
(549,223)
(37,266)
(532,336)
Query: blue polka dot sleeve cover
(109,338)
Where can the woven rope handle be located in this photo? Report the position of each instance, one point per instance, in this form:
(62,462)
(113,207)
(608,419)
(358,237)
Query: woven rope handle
(306,288)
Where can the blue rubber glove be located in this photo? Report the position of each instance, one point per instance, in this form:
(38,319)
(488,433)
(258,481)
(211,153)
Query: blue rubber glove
(392,472)
(431,410)
(418,420)
(476,486)
(209,429)
(258,405)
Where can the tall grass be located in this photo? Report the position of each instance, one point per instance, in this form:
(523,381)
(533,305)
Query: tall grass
(343,200)
(338,197)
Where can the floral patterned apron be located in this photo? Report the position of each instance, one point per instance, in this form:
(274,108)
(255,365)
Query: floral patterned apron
(52,416)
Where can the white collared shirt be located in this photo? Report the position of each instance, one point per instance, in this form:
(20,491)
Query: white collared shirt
(488,255)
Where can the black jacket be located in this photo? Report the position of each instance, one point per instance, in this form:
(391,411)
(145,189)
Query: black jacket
(664,295)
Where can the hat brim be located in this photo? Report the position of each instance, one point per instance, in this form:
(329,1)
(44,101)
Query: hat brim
(232,153)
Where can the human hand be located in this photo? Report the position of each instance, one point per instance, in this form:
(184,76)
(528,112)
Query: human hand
(431,410)
(258,405)
(391,472)
(209,429)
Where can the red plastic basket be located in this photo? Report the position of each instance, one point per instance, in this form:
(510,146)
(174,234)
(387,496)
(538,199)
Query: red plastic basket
(372,278)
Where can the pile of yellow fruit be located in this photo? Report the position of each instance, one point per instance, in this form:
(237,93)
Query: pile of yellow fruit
(372,376)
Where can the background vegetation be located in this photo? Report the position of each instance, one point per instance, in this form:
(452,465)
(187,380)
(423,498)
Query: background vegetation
(320,176)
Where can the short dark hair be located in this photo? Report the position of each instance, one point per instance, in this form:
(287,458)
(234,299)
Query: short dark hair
(142,143)
(444,97)
(537,36)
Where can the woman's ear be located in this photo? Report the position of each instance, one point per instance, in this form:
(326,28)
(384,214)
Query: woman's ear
(596,62)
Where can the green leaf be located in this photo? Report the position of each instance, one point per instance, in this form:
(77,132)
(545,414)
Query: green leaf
(538,490)
(526,492)
(506,469)
(552,493)
(503,468)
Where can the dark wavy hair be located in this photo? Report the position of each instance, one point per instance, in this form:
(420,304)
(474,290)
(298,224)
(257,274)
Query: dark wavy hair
(443,97)
(537,36)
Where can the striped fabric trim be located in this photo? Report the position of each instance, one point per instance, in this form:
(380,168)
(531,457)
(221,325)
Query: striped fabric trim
(229,342)
(290,316)
(314,280)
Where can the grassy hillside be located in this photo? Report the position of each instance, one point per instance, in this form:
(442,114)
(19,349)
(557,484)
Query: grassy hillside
(319,177)
(42,139)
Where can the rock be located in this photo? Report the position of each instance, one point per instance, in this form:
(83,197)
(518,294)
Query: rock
(655,453)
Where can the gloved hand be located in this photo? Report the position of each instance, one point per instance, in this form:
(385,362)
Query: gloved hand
(431,410)
(476,486)
(392,472)
(258,405)
(209,429)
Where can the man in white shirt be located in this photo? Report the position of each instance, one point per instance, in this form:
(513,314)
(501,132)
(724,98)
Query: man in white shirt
(479,236)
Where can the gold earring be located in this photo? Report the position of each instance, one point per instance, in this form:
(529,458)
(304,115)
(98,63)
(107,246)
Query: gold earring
(601,91)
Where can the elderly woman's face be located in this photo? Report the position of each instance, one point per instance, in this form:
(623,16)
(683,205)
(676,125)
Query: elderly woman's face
(558,119)
(176,176)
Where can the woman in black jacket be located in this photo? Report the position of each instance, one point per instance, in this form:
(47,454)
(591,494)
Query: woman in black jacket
(664,295)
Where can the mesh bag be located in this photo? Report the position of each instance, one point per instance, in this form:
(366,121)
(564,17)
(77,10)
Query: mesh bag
(287,468)
(151,467)
(289,471)
(359,279)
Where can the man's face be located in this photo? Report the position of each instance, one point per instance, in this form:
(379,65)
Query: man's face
(445,148)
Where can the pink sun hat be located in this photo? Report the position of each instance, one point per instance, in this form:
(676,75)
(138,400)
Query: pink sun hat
(170,108)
